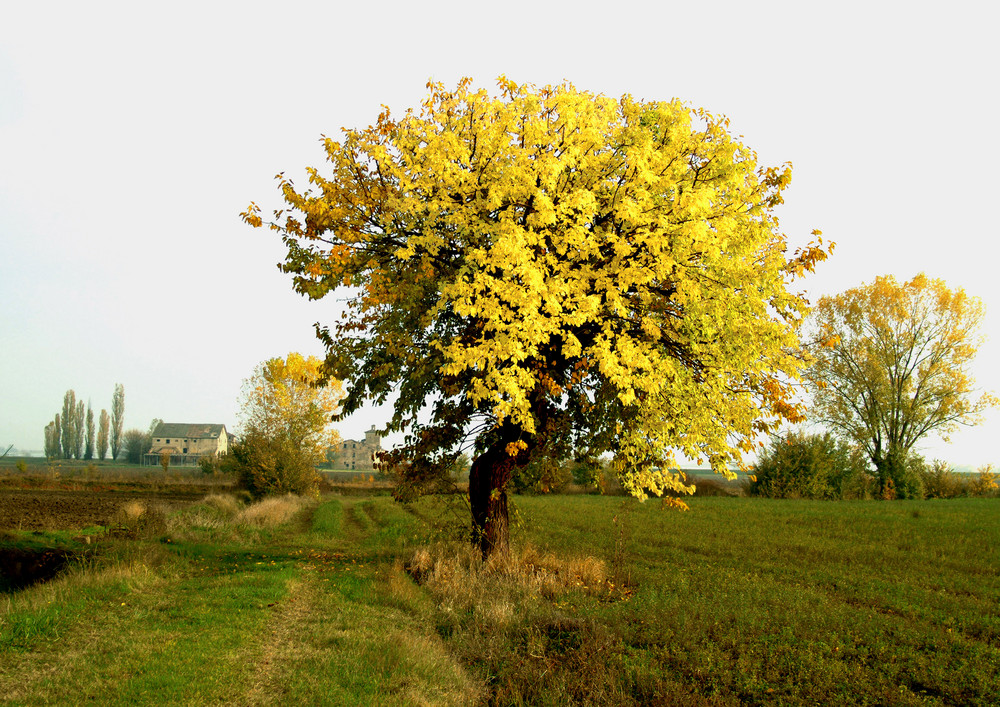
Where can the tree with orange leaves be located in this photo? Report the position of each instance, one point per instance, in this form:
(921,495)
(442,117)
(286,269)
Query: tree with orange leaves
(552,272)
(892,366)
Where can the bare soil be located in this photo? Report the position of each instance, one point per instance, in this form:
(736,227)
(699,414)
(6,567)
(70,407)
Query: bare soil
(58,509)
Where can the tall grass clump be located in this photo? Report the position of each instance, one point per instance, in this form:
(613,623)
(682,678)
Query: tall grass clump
(271,512)
(505,618)
(138,519)
(225,504)
(214,512)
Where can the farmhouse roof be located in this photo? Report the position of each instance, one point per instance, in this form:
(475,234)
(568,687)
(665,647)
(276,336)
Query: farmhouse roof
(188,430)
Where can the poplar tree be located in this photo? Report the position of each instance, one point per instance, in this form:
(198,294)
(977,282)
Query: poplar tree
(52,450)
(117,419)
(103,426)
(88,453)
(57,437)
(67,440)
(79,429)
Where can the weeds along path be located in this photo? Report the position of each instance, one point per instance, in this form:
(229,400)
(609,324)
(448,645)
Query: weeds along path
(316,611)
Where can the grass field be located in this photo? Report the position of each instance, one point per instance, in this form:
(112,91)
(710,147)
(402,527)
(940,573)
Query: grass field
(354,600)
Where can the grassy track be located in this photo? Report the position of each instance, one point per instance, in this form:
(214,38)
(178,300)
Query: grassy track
(740,601)
(311,614)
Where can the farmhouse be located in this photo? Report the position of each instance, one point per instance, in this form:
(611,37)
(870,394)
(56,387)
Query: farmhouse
(187,443)
(358,455)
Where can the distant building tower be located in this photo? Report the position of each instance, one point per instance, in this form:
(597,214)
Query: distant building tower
(357,455)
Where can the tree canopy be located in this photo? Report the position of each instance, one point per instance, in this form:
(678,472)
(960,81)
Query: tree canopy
(288,398)
(552,271)
(286,408)
(892,366)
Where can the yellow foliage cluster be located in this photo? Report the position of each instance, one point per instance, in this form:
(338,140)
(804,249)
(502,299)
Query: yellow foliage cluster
(550,259)
(892,364)
(290,398)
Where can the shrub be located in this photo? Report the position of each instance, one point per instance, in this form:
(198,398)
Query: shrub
(984,483)
(269,466)
(906,480)
(939,480)
(799,465)
(209,464)
(136,444)
(586,472)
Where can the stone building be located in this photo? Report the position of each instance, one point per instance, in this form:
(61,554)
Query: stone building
(187,443)
(359,455)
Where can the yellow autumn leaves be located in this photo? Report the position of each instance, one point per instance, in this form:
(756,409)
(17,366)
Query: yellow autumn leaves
(892,363)
(565,261)
(288,398)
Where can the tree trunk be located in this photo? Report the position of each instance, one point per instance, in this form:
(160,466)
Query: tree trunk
(890,468)
(489,477)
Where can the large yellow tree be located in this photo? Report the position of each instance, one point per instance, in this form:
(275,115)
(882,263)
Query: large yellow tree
(291,398)
(286,411)
(892,366)
(552,271)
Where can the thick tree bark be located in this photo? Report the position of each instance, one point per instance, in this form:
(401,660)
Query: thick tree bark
(489,478)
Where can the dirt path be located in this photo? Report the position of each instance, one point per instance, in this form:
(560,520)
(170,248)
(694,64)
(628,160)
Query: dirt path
(281,643)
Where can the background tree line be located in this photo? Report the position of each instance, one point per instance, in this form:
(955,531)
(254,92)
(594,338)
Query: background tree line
(889,366)
(73,434)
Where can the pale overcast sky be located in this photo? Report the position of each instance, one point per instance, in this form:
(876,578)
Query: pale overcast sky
(133,134)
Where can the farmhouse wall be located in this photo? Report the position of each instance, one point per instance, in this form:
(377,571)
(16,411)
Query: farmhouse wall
(187,441)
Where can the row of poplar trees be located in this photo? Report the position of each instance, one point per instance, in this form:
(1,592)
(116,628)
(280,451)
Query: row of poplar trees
(72,434)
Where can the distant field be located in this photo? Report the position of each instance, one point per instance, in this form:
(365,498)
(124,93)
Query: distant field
(362,601)
(34,465)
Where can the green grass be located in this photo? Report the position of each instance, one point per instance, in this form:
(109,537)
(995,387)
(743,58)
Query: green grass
(739,601)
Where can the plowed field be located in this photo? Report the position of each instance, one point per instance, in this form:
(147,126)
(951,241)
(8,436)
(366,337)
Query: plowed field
(43,509)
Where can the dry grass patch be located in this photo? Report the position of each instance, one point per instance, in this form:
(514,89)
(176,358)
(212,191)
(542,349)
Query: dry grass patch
(271,512)
(226,504)
(138,519)
(227,518)
(527,568)
(507,619)
(214,512)
(498,590)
